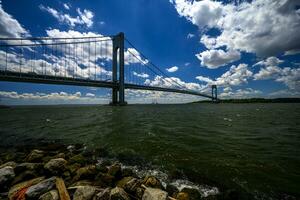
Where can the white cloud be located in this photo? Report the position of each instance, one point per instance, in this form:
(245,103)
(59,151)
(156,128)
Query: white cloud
(190,35)
(216,58)
(84,17)
(270,61)
(173,82)
(236,75)
(89,95)
(9,26)
(263,27)
(240,93)
(202,13)
(187,64)
(142,75)
(286,75)
(204,79)
(172,69)
(67,6)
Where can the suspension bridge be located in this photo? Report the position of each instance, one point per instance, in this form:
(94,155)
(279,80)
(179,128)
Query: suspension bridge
(95,61)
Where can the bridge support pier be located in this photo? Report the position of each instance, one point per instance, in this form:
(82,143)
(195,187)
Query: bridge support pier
(214,93)
(118,91)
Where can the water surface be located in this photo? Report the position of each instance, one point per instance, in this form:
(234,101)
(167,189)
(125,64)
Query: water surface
(254,147)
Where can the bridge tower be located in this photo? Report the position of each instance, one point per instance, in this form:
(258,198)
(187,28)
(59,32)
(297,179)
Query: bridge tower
(214,93)
(118,91)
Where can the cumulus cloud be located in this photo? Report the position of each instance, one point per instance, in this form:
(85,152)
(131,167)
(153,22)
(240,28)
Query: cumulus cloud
(216,58)
(235,76)
(12,97)
(263,27)
(240,93)
(286,75)
(172,69)
(173,82)
(84,17)
(9,26)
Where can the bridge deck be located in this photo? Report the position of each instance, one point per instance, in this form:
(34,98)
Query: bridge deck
(48,79)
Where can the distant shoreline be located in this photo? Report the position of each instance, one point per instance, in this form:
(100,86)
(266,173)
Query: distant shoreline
(254,100)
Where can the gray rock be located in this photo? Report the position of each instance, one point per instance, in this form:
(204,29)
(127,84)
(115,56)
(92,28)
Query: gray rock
(35,155)
(14,189)
(37,190)
(118,193)
(51,195)
(56,166)
(84,193)
(154,194)
(103,195)
(7,174)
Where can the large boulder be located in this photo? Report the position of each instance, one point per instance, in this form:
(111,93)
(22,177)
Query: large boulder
(7,174)
(51,195)
(118,193)
(129,184)
(42,187)
(14,190)
(35,155)
(88,172)
(152,181)
(154,194)
(84,193)
(79,159)
(56,166)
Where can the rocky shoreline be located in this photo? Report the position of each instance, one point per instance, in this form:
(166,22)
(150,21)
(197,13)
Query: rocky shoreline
(72,172)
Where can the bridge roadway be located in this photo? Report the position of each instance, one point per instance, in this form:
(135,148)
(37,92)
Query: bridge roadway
(50,79)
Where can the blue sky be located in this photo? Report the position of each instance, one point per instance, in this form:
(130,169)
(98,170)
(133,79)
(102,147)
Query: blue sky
(247,48)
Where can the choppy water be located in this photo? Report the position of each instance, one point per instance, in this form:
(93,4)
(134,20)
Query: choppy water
(252,147)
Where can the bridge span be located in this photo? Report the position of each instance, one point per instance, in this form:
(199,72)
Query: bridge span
(97,61)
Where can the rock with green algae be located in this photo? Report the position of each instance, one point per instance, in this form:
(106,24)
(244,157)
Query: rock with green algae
(154,194)
(33,167)
(84,193)
(79,159)
(56,166)
(88,172)
(51,195)
(118,193)
(35,155)
(152,181)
